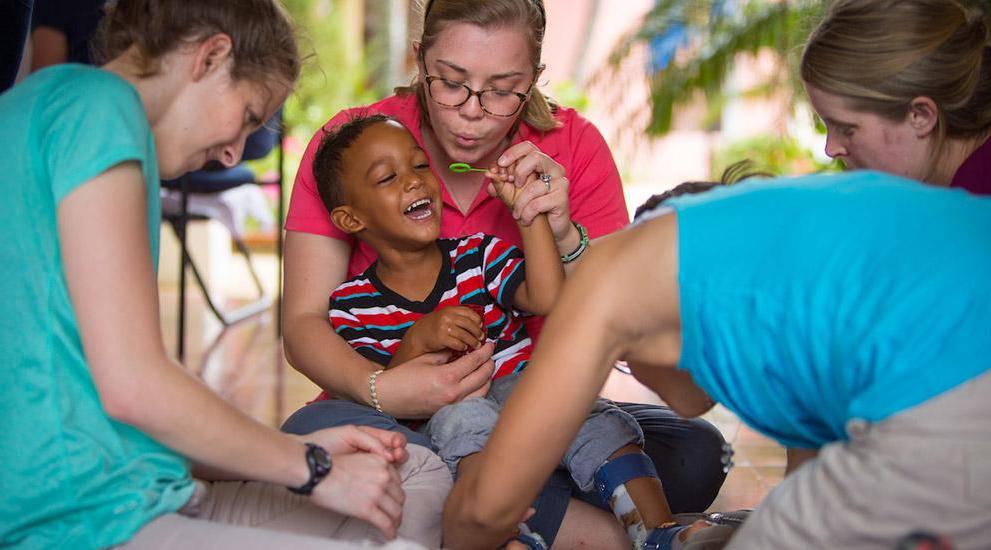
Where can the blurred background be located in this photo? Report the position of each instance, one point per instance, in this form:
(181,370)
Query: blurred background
(679,88)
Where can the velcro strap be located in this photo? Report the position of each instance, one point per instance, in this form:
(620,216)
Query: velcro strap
(530,539)
(618,471)
(661,539)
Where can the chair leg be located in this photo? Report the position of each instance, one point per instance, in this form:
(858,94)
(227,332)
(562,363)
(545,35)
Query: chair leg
(262,303)
(179,227)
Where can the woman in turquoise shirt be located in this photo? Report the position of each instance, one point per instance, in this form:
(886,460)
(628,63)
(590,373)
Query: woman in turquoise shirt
(846,313)
(100,425)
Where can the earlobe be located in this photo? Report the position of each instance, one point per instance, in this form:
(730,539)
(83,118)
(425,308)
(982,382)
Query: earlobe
(211,54)
(923,116)
(344,219)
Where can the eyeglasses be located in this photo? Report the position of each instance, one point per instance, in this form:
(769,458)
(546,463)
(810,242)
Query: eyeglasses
(501,103)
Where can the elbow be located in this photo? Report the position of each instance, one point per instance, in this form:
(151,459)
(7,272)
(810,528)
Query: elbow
(472,522)
(122,405)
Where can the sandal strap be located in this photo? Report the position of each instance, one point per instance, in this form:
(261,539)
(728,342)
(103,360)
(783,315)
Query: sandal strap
(530,539)
(618,471)
(662,538)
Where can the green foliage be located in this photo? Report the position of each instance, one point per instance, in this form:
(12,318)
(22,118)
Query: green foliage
(778,155)
(334,76)
(714,39)
(567,92)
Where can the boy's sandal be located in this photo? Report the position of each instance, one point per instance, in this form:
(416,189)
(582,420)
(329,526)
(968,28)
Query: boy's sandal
(533,542)
(663,537)
(618,471)
(530,539)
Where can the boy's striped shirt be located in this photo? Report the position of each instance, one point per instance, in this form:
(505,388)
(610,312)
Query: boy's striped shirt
(480,270)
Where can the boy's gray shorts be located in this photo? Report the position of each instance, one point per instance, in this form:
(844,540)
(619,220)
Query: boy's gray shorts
(462,429)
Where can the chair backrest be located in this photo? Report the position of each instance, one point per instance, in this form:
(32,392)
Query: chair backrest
(263,140)
(214,178)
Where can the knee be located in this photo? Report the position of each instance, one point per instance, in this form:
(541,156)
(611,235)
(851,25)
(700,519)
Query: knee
(425,465)
(336,412)
(705,443)
(474,416)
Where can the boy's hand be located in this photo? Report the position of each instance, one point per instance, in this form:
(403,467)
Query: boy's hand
(503,183)
(456,328)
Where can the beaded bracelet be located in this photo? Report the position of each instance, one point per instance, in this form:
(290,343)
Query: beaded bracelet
(582,244)
(372,392)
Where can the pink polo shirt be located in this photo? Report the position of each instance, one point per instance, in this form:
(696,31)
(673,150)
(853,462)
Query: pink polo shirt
(596,193)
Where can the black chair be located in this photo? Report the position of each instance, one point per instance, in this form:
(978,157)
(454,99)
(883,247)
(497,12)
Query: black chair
(213,180)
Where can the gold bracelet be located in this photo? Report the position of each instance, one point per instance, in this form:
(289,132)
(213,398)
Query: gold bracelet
(372,391)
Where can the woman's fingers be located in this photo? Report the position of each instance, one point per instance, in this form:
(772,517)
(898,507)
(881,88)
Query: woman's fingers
(365,486)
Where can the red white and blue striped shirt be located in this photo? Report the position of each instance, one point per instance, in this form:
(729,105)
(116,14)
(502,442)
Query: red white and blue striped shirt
(481,270)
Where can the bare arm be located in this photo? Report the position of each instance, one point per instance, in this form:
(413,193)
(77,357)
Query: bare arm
(675,387)
(48,47)
(113,290)
(314,266)
(544,271)
(603,314)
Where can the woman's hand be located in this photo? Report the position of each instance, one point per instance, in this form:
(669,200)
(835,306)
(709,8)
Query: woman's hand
(366,486)
(391,446)
(526,163)
(419,387)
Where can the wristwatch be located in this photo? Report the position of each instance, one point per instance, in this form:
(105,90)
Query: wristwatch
(320,465)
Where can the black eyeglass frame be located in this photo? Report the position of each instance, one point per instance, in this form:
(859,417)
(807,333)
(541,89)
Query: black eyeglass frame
(427,78)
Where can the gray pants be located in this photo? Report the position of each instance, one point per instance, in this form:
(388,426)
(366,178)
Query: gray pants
(253,515)
(462,429)
(927,468)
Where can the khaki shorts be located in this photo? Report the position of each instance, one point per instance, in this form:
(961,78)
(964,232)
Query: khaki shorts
(925,469)
(253,515)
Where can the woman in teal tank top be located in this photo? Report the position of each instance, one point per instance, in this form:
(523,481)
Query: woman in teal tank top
(101,426)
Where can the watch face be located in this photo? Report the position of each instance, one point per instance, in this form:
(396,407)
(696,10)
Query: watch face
(321,459)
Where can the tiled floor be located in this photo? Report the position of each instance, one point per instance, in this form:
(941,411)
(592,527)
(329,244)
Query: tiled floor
(245,364)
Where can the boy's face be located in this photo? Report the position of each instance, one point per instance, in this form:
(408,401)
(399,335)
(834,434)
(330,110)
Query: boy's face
(391,195)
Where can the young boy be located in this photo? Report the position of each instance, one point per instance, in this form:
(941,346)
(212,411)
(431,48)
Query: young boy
(425,294)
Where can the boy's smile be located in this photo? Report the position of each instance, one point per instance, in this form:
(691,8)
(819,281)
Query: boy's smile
(391,192)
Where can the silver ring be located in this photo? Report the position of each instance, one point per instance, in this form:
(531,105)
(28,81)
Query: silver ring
(546,178)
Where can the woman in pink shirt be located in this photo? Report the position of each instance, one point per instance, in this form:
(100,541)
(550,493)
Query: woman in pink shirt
(475,100)
(904,86)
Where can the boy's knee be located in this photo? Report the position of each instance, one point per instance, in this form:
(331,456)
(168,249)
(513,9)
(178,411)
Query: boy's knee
(470,416)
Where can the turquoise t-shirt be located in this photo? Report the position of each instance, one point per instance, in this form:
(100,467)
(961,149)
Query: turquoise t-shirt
(70,476)
(809,302)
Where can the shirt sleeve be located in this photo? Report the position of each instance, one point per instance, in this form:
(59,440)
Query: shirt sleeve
(90,126)
(502,268)
(596,194)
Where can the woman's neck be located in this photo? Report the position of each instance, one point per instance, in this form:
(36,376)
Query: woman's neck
(156,91)
(410,273)
(954,154)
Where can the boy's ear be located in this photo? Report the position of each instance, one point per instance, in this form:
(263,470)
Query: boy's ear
(211,54)
(346,220)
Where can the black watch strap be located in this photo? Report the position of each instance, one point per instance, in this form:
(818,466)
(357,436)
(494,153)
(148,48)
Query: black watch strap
(320,465)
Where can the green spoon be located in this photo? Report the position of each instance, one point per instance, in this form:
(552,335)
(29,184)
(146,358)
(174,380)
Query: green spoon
(461,168)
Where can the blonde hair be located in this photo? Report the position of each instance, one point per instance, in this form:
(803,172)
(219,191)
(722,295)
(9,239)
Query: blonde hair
(262,35)
(882,54)
(437,14)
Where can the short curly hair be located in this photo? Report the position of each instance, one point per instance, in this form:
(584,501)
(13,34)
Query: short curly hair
(329,156)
